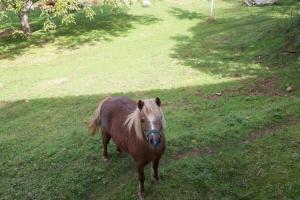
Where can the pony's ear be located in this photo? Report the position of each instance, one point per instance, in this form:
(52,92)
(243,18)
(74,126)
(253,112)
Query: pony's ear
(157,101)
(140,104)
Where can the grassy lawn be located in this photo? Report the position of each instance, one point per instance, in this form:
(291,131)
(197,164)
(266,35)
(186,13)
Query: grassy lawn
(241,143)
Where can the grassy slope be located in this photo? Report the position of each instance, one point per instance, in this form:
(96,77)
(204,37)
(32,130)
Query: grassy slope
(168,51)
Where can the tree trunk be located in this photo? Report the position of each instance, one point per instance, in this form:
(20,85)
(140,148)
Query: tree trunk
(24,17)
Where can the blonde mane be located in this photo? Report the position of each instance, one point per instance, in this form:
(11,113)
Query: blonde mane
(134,119)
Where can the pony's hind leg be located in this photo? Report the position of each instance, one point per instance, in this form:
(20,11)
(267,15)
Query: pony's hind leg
(105,140)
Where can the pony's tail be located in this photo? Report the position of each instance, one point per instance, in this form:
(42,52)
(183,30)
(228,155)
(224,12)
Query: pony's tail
(96,119)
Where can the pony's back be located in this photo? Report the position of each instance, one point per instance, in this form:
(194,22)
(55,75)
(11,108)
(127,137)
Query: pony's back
(111,107)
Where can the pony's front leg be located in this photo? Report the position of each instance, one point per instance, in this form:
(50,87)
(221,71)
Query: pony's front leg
(141,192)
(155,164)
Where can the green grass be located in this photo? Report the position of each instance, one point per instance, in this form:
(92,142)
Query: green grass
(51,84)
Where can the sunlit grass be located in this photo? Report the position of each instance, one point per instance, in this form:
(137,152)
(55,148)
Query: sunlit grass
(137,58)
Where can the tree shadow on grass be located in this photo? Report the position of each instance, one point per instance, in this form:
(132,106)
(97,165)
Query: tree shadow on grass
(104,27)
(248,44)
(185,14)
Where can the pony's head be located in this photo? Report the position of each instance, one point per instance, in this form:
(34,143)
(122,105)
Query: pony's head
(148,121)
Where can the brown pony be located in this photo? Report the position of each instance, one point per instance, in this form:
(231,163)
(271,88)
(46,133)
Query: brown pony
(136,128)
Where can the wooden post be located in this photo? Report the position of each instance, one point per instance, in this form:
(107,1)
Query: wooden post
(212,9)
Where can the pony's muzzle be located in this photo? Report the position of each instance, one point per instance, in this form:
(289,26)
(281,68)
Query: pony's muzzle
(154,137)
(155,142)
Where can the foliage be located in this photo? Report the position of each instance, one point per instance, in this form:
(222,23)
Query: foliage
(62,9)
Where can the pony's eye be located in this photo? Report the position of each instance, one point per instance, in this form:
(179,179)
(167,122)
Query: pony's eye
(142,120)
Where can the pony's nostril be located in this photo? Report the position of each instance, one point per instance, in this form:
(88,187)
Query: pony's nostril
(154,140)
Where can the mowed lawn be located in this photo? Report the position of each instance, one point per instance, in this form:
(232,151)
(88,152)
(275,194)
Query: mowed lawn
(233,129)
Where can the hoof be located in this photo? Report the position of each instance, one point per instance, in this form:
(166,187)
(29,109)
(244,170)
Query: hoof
(141,195)
(156,179)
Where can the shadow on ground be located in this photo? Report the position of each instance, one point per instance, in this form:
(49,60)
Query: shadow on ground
(104,27)
(255,42)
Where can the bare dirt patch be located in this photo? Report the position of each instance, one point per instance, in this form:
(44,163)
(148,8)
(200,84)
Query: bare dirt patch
(265,87)
(6,33)
(199,93)
(261,87)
